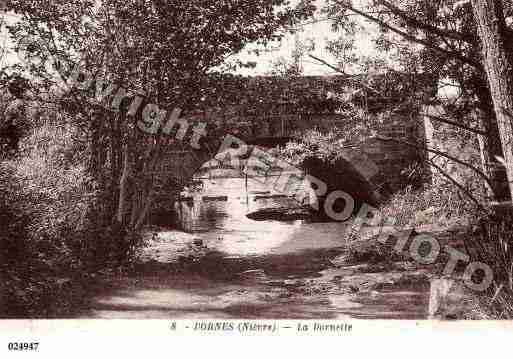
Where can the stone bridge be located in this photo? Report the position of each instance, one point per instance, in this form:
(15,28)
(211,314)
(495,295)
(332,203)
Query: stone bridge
(372,170)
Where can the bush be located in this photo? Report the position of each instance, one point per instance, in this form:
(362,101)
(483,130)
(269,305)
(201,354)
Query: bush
(52,233)
(491,242)
(429,205)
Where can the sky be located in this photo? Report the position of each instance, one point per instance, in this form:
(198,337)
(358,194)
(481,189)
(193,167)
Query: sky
(318,32)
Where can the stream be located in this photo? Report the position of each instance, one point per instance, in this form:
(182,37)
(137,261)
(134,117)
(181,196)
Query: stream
(219,265)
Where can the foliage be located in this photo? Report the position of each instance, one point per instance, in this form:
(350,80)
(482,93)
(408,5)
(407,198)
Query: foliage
(268,95)
(170,52)
(61,191)
(490,242)
(77,194)
(52,241)
(356,126)
(163,48)
(438,40)
(442,202)
(441,205)
(326,147)
(463,145)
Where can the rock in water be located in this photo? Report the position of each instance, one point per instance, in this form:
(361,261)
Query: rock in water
(280,214)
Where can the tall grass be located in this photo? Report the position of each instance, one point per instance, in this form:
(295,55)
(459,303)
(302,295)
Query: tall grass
(491,242)
(430,205)
(52,238)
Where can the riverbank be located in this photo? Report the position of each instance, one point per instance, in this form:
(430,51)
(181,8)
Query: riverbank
(179,276)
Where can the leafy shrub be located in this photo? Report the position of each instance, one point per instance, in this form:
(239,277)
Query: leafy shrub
(52,234)
(429,205)
(491,242)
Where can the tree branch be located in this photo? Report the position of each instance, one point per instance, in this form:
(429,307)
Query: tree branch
(412,38)
(348,77)
(455,124)
(443,33)
(442,154)
(458,185)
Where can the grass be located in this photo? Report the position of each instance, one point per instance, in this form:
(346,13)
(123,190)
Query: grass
(491,242)
(430,205)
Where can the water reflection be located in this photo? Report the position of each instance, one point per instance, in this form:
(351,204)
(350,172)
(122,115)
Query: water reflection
(222,224)
(249,269)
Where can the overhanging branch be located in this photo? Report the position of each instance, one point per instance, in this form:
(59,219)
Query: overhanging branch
(442,154)
(348,77)
(443,33)
(412,38)
(455,124)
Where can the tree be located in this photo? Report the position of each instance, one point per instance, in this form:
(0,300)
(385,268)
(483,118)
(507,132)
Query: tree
(153,51)
(438,38)
(497,49)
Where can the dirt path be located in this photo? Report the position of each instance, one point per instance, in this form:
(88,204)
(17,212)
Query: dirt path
(181,278)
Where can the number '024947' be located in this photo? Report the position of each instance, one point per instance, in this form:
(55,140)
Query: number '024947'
(23,346)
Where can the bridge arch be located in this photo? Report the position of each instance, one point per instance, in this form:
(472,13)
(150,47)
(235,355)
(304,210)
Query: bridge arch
(365,172)
(370,171)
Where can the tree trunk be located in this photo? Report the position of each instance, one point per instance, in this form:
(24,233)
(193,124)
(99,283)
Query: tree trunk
(115,165)
(490,148)
(490,143)
(124,186)
(94,147)
(151,166)
(498,62)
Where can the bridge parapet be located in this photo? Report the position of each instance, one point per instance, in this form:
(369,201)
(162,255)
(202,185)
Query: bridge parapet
(386,165)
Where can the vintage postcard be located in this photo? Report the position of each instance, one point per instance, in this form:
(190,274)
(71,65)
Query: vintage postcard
(254,168)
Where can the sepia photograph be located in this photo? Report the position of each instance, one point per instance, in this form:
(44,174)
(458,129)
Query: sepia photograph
(255,166)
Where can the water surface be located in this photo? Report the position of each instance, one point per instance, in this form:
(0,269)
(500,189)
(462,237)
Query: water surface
(220,264)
